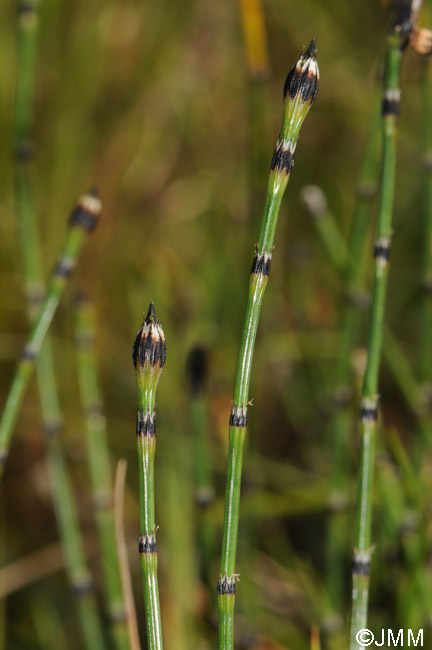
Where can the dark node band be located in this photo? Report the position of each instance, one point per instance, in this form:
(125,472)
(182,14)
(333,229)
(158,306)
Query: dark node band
(261,264)
(94,410)
(64,267)
(282,160)
(3,456)
(26,7)
(382,251)
(83,218)
(53,429)
(390,107)
(82,587)
(401,24)
(360,567)
(35,297)
(342,396)
(147,544)
(357,298)
(85,341)
(28,354)
(24,151)
(426,285)
(238,417)
(368,413)
(366,191)
(225,586)
(204,496)
(102,501)
(428,163)
(146,425)
(117,615)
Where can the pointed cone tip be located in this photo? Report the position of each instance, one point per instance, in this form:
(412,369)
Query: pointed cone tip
(151,314)
(310,52)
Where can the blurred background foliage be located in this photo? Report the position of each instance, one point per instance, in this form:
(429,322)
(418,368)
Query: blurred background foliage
(153,101)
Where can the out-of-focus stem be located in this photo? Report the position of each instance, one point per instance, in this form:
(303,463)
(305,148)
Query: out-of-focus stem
(100,469)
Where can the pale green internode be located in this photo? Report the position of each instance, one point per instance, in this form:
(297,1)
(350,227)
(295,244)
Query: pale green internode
(61,486)
(300,91)
(396,41)
(149,356)
(100,468)
(81,222)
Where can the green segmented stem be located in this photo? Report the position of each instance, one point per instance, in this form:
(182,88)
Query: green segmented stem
(426,315)
(61,488)
(81,223)
(369,405)
(149,355)
(100,469)
(346,260)
(300,91)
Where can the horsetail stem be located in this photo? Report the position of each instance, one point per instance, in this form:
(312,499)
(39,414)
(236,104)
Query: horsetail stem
(426,316)
(396,42)
(100,470)
(61,487)
(149,356)
(300,91)
(81,222)
(345,259)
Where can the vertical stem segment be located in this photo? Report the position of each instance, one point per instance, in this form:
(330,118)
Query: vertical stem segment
(81,222)
(369,405)
(149,356)
(98,455)
(301,88)
(61,488)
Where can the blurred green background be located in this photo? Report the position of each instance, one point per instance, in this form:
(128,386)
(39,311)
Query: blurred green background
(153,101)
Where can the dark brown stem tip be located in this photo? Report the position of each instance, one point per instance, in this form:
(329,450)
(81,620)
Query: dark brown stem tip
(311,51)
(94,191)
(303,78)
(402,24)
(87,212)
(151,314)
(150,345)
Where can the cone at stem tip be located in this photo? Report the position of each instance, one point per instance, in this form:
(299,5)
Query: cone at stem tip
(149,347)
(87,212)
(402,24)
(303,78)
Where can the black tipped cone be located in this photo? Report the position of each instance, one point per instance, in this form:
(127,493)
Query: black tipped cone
(94,191)
(303,78)
(149,345)
(151,314)
(310,52)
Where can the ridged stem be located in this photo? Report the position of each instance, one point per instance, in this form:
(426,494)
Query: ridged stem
(300,91)
(100,469)
(81,222)
(346,259)
(61,488)
(149,355)
(425,365)
(369,404)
